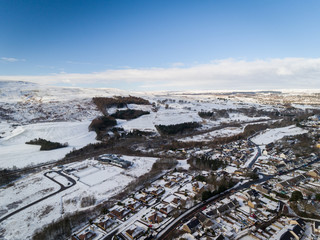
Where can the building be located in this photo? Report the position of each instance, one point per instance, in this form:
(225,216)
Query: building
(192,226)
(115,160)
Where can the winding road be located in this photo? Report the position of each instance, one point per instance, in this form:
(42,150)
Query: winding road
(189,213)
(62,188)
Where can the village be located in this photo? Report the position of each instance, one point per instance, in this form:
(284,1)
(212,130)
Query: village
(260,202)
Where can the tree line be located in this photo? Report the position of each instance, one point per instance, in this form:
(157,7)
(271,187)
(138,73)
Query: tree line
(46,145)
(177,128)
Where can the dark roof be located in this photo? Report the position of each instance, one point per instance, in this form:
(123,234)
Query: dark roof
(235,202)
(212,212)
(230,205)
(250,192)
(287,236)
(301,222)
(193,224)
(201,217)
(298,230)
(223,208)
(220,237)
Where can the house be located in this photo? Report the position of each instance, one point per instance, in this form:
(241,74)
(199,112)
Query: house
(158,192)
(316,227)
(192,226)
(297,232)
(223,208)
(144,198)
(165,209)
(104,225)
(173,200)
(315,173)
(85,236)
(134,232)
(135,206)
(298,221)
(119,212)
(260,188)
(156,217)
(204,221)
(287,236)
(292,182)
(197,186)
(170,184)
(212,213)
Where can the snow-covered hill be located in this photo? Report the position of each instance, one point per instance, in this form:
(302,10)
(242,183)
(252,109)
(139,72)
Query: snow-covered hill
(63,114)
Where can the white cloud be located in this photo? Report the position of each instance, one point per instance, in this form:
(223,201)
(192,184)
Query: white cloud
(178,64)
(11,59)
(216,75)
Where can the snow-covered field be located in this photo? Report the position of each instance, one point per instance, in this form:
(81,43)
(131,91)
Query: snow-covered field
(24,191)
(275,134)
(101,184)
(225,132)
(14,151)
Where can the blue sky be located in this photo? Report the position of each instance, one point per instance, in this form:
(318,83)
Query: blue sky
(113,43)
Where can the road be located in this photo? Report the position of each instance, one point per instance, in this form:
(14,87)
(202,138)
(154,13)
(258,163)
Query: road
(189,213)
(62,188)
(257,155)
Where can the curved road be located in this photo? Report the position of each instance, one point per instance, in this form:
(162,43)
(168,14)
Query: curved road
(62,188)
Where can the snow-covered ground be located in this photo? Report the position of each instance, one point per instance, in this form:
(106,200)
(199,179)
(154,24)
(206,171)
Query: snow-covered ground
(183,164)
(25,191)
(272,135)
(101,184)
(224,132)
(14,151)
(161,117)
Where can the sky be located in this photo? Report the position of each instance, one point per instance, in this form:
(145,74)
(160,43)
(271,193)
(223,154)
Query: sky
(162,44)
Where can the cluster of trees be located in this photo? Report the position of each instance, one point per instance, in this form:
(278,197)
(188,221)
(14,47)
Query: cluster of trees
(215,114)
(91,147)
(47,145)
(62,228)
(201,178)
(223,186)
(129,114)
(177,128)
(250,112)
(7,176)
(88,201)
(296,196)
(206,163)
(163,164)
(101,124)
(252,175)
(104,102)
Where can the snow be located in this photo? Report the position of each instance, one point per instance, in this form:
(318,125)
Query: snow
(224,132)
(24,191)
(162,117)
(183,164)
(187,236)
(14,151)
(252,157)
(61,179)
(275,134)
(101,175)
(230,169)
(103,184)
